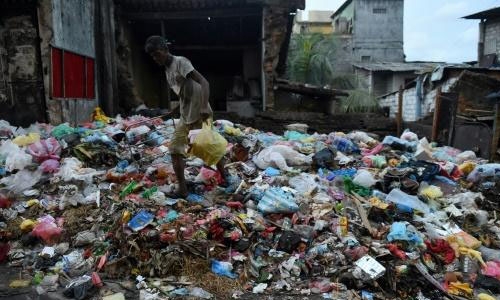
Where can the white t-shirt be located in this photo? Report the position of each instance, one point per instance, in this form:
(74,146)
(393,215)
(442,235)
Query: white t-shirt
(188,90)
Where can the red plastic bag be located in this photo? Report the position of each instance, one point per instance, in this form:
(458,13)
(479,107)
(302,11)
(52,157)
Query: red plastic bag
(45,149)
(47,230)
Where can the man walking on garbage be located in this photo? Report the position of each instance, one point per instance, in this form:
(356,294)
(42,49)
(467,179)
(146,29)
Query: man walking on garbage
(193,91)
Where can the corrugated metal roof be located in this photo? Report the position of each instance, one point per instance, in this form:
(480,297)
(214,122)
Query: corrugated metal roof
(397,66)
(485,14)
(341,8)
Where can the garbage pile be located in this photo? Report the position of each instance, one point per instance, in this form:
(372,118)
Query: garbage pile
(339,215)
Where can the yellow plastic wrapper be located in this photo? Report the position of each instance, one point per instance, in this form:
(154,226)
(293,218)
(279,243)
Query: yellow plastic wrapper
(98,115)
(126,216)
(232,131)
(376,202)
(463,239)
(467,167)
(472,253)
(27,225)
(484,296)
(32,202)
(209,145)
(432,192)
(393,162)
(17,284)
(459,288)
(25,140)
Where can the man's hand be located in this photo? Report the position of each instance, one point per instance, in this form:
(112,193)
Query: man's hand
(204,114)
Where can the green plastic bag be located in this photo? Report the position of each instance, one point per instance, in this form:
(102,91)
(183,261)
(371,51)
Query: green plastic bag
(209,145)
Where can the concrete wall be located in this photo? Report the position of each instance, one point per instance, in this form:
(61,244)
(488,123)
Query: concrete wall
(378,35)
(492,37)
(342,60)
(67,24)
(410,102)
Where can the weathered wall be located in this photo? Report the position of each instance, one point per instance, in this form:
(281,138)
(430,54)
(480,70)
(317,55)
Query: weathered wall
(410,102)
(378,35)
(21,89)
(66,24)
(343,59)
(492,37)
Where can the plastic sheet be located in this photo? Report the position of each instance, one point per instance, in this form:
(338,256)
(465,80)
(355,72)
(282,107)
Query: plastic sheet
(209,145)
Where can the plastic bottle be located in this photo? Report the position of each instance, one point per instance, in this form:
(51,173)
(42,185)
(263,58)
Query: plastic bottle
(399,197)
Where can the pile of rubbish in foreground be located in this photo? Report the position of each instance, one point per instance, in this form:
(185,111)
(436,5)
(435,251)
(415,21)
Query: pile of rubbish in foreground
(85,211)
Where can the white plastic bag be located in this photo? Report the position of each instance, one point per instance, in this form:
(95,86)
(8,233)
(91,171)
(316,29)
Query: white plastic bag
(303,183)
(364,178)
(22,180)
(15,157)
(71,169)
(282,157)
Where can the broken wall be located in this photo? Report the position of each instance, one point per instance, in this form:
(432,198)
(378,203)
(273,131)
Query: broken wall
(21,88)
(68,25)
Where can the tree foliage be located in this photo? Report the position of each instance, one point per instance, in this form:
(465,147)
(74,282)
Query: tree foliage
(309,58)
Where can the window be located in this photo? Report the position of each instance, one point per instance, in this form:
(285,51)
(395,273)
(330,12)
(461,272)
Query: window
(72,75)
(365,58)
(379,10)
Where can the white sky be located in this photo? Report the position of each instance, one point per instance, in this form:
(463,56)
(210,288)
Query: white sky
(433,29)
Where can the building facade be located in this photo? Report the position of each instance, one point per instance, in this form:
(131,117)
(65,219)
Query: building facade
(369,31)
(317,21)
(488,50)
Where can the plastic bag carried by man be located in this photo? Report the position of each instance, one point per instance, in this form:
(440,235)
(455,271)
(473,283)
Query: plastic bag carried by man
(193,91)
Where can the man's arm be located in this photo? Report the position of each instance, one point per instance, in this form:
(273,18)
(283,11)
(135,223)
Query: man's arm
(205,92)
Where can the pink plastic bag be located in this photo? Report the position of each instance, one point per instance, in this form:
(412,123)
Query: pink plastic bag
(492,269)
(50,166)
(45,149)
(47,229)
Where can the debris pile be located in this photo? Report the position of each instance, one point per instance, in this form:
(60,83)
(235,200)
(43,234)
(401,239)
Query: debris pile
(86,211)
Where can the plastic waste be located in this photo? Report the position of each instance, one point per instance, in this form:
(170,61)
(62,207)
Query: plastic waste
(46,229)
(72,169)
(400,144)
(209,145)
(399,197)
(50,166)
(303,183)
(325,158)
(281,157)
(465,156)
(484,171)
(140,221)
(22,180)
(409,136)
(223,268)
(61,130)
(361,137)
(345,145)
(276,200)
(25,140)
(401,231)
(200,293)
(364,178)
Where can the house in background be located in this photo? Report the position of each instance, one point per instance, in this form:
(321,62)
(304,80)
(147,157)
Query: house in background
(386,77)
(488,50)
(317,21)
(368,31)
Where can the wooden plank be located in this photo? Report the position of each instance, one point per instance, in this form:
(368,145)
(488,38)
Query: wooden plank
(437,111)
(496,133)
(399,116)
(357,199)
(194,14)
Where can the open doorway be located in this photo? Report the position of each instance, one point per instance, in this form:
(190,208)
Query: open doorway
(226,49)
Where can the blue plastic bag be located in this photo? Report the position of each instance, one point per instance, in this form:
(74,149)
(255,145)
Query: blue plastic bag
(223,268)
(140,221)
(270,171)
